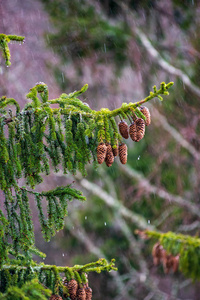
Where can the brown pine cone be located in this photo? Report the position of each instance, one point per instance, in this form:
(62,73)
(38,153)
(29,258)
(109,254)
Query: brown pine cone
(140,127)
(157,253)
(109,156)
(123,129)
(55,297)
(81,294)
(167,261)
(101,153)
(88,291)
(115,151)
(133,131)
(175,263)
(123,153)
(72,288)
(146,113)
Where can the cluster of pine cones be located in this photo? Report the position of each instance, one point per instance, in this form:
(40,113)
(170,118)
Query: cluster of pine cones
(106,153)
(136,129)
(168,260)
(74,291)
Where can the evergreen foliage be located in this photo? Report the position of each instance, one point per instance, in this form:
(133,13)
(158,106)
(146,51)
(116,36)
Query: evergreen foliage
(40,137)
(185,246)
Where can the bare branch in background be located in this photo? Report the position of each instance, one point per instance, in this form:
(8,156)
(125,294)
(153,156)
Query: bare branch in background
(154,53)
(152,189)
(160,120)
(190,227)
(79,233)
(115,204)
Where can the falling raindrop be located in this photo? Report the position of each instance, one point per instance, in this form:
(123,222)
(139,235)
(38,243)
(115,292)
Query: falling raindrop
(63,254)
(63,77)
(149,221)
(85,217)
(138,157)
(105,224)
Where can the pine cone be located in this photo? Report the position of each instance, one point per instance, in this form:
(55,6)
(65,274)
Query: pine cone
(55,297)
(140,127)
(123,153)
(123,129)
(88,291)
(167,262)
(115,151)
(101,153)
(133,132)
(146,113)
(81,294)
(175,263)
(109,156)
(157,253)
(72,288)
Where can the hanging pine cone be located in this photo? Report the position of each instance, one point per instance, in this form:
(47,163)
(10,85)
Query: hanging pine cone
(88,291)
(133,131)
(146,113)
(175,263)
(72,288)
(157,253)
(123,153)
(81,294)
(55,297)
(123,129)
(115,151)
(101,153)
(167,261)
(140,127)
(109,156)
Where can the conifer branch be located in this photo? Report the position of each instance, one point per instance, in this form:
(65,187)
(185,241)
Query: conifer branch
(4,40)
(186,247)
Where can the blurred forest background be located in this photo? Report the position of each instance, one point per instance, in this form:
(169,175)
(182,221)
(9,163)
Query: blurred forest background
(121,49)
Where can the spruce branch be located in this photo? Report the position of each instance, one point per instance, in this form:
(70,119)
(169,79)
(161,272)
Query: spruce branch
(4,40)
(185,246)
